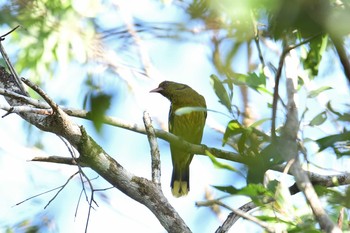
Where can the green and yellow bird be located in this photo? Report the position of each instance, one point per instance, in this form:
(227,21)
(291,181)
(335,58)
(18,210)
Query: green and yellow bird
(187,126)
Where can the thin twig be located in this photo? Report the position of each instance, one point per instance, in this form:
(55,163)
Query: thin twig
(286,50)
(2,37)
(240,213)
(24,109)
(257,39)
(60,189)
(233,217)
(38,90)
(144,58)
(82,176)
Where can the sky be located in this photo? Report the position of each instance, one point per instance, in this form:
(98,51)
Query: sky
(185,62)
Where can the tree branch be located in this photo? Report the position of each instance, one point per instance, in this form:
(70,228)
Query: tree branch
(152,139)
(93,156)
(289,137)
(56,159)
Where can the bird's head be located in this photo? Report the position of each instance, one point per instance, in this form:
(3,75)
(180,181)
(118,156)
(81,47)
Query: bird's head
(173,91)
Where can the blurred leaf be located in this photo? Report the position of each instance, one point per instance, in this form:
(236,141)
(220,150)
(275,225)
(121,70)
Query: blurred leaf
(99,105)
(252,80)
(87,96)
(300,83)
(227,189)
(219,164)
(186,110)
(344,117)
(273,185)
(316,92)
(331,140)
(330,108)
(230,86)
(233,128)
(242,143)
(48,40)
(341,116)
(259,122)
(257,192)
(221,92)
(314,56)
(341,198)
(319,119)
(198,9)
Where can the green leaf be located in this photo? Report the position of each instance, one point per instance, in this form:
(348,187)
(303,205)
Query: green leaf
(330,108)
(314,56)
(256,82)
(331,140)
(221,92)
(187,110)
(341,198)
(250,190)
(219,164)
(227,189)
(259,122)
(316,92)
(241,143)
(233,128)
(344,117)
(99,105)
(319,119)
(341,116)
(257,192)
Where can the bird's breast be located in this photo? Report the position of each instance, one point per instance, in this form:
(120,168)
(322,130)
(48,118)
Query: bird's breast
(188,126)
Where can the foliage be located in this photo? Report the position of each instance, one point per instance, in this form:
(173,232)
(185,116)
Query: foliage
(47,37)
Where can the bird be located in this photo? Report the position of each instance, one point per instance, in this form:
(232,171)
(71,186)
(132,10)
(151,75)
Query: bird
(188,126)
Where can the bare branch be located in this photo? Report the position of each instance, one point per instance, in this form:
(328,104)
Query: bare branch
(152,139)
(233,217)
(55,159)
(341,218)
(24,99)
(289,137)
(24,109)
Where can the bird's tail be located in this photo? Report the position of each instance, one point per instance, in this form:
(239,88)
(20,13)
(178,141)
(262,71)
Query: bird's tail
(180,181)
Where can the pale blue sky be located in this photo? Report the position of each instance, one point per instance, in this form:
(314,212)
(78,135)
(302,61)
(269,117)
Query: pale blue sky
(186,62)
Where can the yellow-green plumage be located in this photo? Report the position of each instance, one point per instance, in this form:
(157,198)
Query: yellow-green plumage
(188,126)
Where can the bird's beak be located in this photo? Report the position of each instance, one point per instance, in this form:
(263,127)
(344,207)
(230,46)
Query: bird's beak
(157,90)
